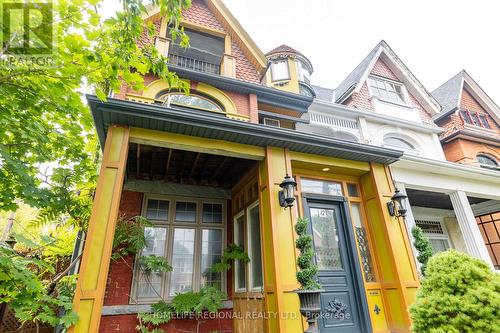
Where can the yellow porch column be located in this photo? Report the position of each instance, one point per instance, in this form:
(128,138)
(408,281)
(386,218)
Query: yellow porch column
(279,253)
(398,274)
(89,295)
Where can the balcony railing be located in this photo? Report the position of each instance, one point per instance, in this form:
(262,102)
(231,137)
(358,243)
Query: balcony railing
(335,122)
(195,64)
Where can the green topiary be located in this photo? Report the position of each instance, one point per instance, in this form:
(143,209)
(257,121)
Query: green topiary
(423,246)
(459,294)
(308,270)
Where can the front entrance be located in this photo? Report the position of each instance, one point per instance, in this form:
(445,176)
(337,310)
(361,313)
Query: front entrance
(343,303)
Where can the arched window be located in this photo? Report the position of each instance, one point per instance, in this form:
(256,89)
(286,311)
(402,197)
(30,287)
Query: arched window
(398,143)
(193,100)
(486,161)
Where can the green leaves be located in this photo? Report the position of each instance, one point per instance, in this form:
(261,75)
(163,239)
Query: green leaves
(129,236)
(458,294)
(152,264)
(423,246)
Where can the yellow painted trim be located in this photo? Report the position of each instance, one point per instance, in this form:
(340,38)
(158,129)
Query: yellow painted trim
(91,285)
(139,99)
(157,86)
(329,161)
(278,237)
(230,109)
(197,144)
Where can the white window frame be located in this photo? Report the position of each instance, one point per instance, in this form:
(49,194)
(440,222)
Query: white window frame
(414,151)
(400,84)
(443,236)
(249,249)
(273,70)
(266,121)
(171,225)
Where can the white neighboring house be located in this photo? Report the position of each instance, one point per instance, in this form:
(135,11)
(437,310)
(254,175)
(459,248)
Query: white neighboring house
(382,103)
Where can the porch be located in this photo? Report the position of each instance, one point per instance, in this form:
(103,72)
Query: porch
(206,182)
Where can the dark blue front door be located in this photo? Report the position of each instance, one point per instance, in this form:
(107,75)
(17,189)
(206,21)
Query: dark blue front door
(343,303)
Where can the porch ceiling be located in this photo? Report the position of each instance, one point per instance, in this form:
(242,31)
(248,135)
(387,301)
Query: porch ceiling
(207,125)
(430,199)
(184,167)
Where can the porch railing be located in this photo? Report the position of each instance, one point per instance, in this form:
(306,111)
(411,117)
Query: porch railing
(195,64)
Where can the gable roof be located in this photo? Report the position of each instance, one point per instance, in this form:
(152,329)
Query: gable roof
(355,80)
(449,95)
(227,19)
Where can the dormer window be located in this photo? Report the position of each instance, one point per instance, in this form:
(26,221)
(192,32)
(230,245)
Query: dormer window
(475,118)
(279,70)
(388,90)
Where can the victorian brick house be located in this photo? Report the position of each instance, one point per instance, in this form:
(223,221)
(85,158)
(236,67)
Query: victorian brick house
(206,170)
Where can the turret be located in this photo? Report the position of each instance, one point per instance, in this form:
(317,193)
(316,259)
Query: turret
(289,70)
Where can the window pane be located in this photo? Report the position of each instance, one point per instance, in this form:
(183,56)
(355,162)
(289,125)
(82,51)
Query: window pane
(211,252)
(362,243)
(254,247)
(475,118)
(484,121)
(193,102)
(212,213)
(325,237)
(239,239)
(352,189)
(320,187)
(439,245)
(149,286)
(465,116)
(185,211)
(182,261)
(157,209)
(279,70)
(486,161)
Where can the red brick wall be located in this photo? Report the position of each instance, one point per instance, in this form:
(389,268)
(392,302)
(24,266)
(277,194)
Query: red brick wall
(119,285)
(469,102)
(361,100)
(120,274)
(465,151)
(127,324)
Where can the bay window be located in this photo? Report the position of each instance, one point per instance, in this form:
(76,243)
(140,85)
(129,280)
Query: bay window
(189,233)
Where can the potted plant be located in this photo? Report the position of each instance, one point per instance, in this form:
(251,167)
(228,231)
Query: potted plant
(310,290)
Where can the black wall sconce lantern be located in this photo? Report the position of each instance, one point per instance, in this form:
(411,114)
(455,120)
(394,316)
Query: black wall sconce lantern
(397,205)
(286,195)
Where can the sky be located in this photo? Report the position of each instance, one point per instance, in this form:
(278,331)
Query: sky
(434,38)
